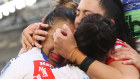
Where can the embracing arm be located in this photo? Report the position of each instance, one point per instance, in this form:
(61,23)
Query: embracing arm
(116,70)
(97,70)
(132,56)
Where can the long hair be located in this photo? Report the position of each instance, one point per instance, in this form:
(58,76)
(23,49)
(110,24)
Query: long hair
(114,10)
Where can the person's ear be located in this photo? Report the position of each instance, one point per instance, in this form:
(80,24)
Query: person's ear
(113,21)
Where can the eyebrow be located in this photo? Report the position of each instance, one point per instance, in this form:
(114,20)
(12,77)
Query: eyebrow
(85,10)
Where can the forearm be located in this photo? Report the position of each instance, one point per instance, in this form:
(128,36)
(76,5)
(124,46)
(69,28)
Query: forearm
(98,70)
(21,51)
(79,58)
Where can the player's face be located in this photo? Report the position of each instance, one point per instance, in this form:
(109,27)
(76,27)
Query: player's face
(87,7)
(48,46)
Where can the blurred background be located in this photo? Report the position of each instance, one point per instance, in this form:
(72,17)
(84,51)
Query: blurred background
(15,15)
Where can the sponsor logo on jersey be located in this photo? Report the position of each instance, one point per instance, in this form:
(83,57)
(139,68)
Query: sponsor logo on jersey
(42,70)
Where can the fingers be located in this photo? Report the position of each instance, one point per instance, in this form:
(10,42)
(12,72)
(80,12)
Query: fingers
(57,36)
(43,26)
(120,53)
(37,38)
(127,45)
(62,34)
(130,48)
(127,62)
(67,29)
(59,33)
(27,33)
(37,44)
(121,49)
(123,55)
(41,32)
(40,35)
(29,46)
(26,44)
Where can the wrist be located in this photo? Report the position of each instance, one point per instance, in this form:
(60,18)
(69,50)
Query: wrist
(80,58)
(86,63)
(76,56)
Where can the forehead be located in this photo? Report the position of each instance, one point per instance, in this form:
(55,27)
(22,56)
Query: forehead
(91,5)
(58,23)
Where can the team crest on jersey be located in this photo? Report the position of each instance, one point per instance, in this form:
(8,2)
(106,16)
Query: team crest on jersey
(42,70)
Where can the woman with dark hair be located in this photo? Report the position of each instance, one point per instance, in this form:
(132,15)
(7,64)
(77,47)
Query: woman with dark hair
(95,69)
(132,11)
(65,43)
(111,9)
(98,34)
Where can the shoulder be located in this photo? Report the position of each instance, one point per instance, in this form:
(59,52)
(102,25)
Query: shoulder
(129,70)
(70,71)
(21,65)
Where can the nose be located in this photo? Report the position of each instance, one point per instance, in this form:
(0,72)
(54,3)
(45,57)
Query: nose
(78,20)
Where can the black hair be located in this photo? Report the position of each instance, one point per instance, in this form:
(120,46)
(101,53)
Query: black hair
(95,36)
(65,10)
(114,10)
(60,13)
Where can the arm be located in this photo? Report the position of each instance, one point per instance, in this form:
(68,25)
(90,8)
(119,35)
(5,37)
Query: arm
(96,70)
(115,70)
(21,51)
(132,56)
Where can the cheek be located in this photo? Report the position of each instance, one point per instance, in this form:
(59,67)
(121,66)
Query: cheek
(78,19)
(48,47)
(76,23)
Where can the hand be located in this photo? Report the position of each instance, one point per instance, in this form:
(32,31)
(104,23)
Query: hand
(129,53)
(27,40)
(40,35)
(64,42)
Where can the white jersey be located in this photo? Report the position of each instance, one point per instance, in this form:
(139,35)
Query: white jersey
(35,65)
